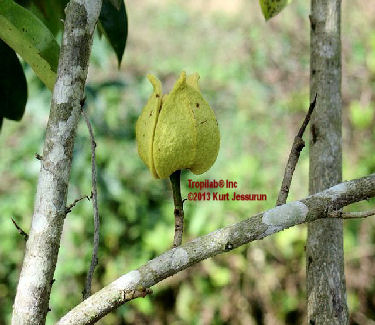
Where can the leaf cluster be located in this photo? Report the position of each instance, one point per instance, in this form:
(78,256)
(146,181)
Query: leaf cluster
(30,29)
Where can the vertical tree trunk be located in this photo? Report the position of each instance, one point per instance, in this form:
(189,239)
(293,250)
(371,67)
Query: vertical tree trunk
(34,286)
(324,252)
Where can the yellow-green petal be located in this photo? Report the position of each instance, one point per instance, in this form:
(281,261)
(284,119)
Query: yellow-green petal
(175,139)
(207,131)
(145,126)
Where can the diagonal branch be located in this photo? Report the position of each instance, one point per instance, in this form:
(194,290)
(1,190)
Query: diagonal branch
(73,204)
(264,224)
(34,287)
(295,152)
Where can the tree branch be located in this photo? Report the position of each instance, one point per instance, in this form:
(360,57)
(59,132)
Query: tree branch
(352,215)
(264,224)
(34,286)
(325,274)
(297,147)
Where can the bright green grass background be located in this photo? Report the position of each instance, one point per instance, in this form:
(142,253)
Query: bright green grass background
(255,75)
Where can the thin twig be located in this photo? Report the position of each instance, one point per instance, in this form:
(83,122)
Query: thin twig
(352,215)
(94,258)
(71,206)
(20,230)
(178,208)
(297,147)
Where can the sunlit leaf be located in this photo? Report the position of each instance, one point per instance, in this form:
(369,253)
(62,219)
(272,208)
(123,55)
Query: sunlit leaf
(31,39)
(271,8)
(114,24)
(13,87)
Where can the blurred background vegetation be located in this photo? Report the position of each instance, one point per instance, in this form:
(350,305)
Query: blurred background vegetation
(256,77)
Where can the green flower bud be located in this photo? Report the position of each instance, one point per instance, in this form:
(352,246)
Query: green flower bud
(178,130)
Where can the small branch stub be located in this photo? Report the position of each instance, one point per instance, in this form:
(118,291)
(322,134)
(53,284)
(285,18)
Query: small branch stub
(71,206)
(178,208)
(20,230)
(38,156)
(138,293)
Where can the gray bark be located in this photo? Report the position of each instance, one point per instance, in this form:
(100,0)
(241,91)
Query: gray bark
(34,286)
(320,205)
(324,251)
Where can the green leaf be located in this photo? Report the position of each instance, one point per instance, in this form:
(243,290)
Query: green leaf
(114,24)
(31,39)
(51,13)
(271,8)
(13,86)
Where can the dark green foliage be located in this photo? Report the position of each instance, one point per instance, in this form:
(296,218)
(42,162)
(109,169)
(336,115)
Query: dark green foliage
(42,52)
(26,34)
(114,24)
(51,12)
(13,87)
(113,21)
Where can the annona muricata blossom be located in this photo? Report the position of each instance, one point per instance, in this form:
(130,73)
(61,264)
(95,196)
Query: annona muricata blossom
(177,130)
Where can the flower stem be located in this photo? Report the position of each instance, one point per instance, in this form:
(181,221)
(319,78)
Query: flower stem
(178,208)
